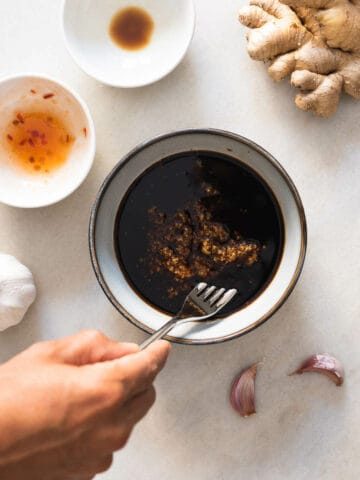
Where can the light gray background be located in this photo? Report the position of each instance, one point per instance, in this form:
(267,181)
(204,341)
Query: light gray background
(305,428)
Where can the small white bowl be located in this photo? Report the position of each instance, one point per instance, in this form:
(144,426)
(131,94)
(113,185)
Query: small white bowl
(113,190)
(86,30)
(19,188)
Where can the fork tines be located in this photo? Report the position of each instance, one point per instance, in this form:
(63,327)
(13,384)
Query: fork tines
(213,295)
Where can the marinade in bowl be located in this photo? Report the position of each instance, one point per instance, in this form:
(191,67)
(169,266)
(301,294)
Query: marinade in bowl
(198,216)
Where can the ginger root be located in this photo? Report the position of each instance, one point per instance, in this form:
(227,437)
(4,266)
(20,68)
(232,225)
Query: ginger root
(315,42)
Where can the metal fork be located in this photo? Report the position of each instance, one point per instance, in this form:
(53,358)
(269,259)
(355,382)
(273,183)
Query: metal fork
(202,303)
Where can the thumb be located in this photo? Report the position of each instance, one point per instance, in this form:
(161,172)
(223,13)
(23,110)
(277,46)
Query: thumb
(92,346)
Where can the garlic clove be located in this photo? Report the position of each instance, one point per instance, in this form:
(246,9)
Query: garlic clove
(242,396)
(325,364)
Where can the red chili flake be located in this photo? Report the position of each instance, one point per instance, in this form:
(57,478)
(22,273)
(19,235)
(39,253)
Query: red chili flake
(20,118)
(22,142)
(31,159)
(16,122)
(10,138)
(33,91)
(34,133)
(85,131)
(67,138)
(31,142)
(48,95)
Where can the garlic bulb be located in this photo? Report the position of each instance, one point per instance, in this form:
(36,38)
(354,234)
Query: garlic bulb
(17,291)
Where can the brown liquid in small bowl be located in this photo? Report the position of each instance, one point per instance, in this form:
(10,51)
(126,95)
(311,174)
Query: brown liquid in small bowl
(131,28)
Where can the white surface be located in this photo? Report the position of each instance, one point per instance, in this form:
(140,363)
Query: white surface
(306,428)
(18,187)
(86,25)
(261,307)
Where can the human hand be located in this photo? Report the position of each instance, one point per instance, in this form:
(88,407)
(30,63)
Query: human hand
(67,405)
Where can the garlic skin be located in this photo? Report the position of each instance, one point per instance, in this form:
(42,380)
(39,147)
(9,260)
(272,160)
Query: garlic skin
(325,364)
(242,396)
(17,291)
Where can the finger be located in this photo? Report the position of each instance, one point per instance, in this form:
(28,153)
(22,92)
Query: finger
(103,464)
(121,424)
(137,371)
(135,409)
(79,477)
(82,458)
(254,17)
(91,346)
(56,464)
(86,469)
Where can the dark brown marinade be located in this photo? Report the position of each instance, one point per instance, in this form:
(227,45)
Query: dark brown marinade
(194,217)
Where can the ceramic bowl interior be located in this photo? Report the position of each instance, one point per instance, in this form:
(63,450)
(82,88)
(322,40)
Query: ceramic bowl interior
(20,188)
(86,30)
(117,183)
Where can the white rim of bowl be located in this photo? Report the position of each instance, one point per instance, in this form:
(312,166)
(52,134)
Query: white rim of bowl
(125,159)
(117,84)
(92,135)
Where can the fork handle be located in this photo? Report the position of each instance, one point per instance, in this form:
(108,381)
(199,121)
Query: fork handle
(160,333)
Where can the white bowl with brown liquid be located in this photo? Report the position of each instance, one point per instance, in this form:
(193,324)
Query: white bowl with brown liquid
(120,218)
(128,43)
(47,142)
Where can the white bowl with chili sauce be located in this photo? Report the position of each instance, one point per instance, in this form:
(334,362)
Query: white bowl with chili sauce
(47,141)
